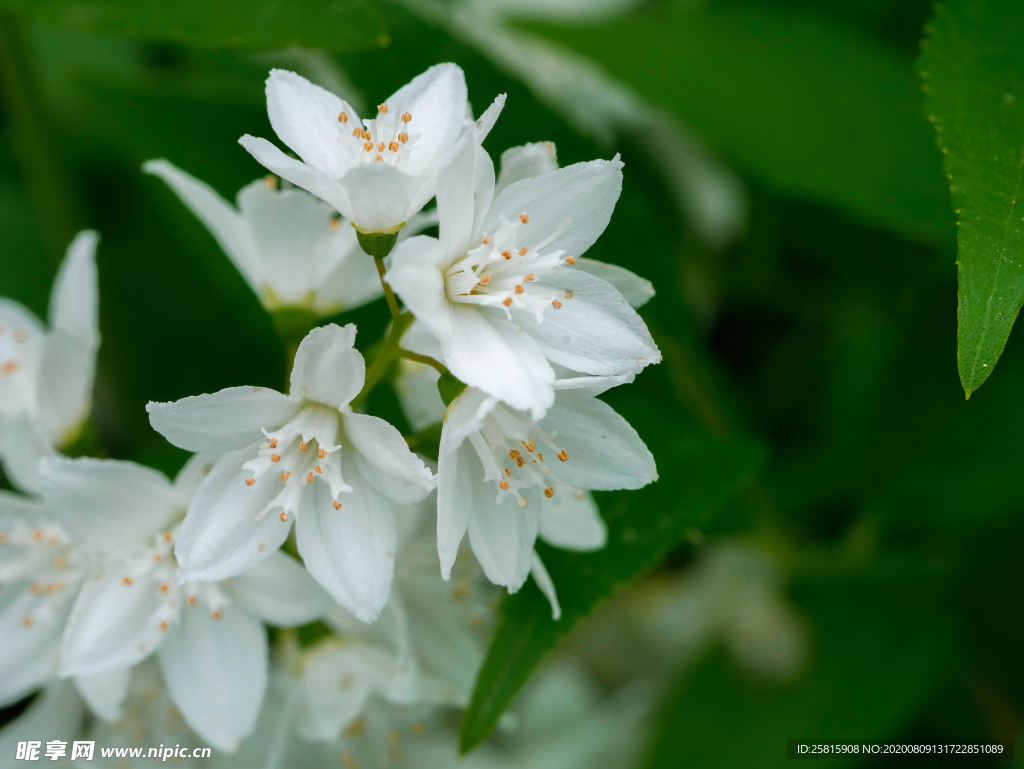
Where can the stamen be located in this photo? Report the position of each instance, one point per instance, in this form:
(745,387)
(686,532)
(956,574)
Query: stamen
(164,587)
(503,485)
(27,622)
(507,302)
(570,260)
(563,456)
(283,516)
(318,469)
(406,117)
(343,117)
(549,492)
(270,181)
(486,241)
(506,254)
(520,461)
(403,137)
(540,457)
(555,303)
(380,147)
(530,445)
(215,615)
(508,473)
(250,481)
(286,475)
(524,218)
(275,457)
(568,294)
(9,367)
(357,132)
(519,289)
(382,109)
(273,443)
(334,223)
(163,625)
(378,158)
(336,505)
(368,146)
(528,278)
(191,600)
(157,557)
(513,454)
(523,250)
(322,452)
(302,446)
(167,536)
(309,477)
(394,146)
(126,581)
(485,280)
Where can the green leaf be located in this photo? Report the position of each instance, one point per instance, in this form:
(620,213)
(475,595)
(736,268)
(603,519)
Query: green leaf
(973,69)
(643,526)
(814,108)
(349,25)
(880,643)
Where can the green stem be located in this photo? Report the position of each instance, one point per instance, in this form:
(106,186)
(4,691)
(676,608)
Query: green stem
(425,359)
(385,356)
(388,293)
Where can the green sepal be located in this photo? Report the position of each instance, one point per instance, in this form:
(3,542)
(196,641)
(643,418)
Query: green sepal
(377,244)
(450,388)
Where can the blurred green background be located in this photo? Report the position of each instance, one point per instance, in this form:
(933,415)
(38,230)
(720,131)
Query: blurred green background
(784,193)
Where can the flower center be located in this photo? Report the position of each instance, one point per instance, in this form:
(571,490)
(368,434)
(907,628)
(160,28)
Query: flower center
(303,451)
(512,451)
(383,139)
(501,273)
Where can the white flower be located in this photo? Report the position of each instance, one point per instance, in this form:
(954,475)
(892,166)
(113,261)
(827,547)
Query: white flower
(208,636)
(40,573)
(46,375)
(376,172)
(499,289)
(508,479)
(290,247)
(282,458)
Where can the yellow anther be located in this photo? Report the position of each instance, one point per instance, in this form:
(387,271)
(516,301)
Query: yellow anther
(563,456)
(403,137)
(406,117)
(283,516)
(570,260)
(503,485)
(508,301)
(524,218)
(336,505)
(382,109)
(549,492)
(555,303)
(342,117)
(275,457)
(250,481)
(285,476)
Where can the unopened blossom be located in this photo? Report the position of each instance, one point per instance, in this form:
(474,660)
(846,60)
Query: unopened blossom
(500,288)
(304,457)
(292,248)
(377,172)
(207,636)
(507,479)
(40,573)
(46,373)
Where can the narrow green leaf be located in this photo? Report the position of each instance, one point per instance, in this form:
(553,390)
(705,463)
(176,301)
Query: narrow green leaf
(813,108)
(349,25)
(973,69)
(642,527)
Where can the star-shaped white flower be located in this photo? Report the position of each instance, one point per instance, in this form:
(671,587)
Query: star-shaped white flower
(291,247)
(376,172)
(46,374)
(307,457)
(508,479)
(501,289)
(208,636)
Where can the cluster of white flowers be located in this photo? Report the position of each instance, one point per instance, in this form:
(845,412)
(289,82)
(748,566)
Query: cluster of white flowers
(505,335)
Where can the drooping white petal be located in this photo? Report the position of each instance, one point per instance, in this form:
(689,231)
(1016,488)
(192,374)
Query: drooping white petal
(415,275)
(22,446)
(595,330)
(458,474)
(74,301)
(349,277)
(216,671)
(298,173)
(66,375)
(547,587)
(518,163)
(584,193)
(231,231)
(105,692)
(574,387)
(436,100)
(192,474)
(30,626)
(502,536)
(465,416)
(483,188)
(279,591)
(106,503)
(416,388)
(57,710)
(305,117)
(328,368)
(486,121)
(383,196)
(220,536)
(222,421)
(604,450)
(572,523)
(337,684)
(350,551)
(455,199)
(635,290)
(116,622)
(384,459)
(488,352)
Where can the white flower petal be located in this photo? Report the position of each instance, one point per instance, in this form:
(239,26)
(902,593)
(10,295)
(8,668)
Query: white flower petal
(337,683)
(466,416)
(547,587)
(518,163)
(105,692)
(279,591)
(455,199)
(222,421)
(298,173)
(66,375)
(571,523)
(415,275)
(579,387)
(57,710)
(220,536)
(351,280)
(74,301)
(231,231)
(436,99)
(595,331)
(384,459)
(191,475)
(31,648)
(114,624)
(216,671)
(486,121)
(584,193)
(416,388)
(305,117)
(502,536)
(488,352)
(351,551)
(383,196)
(328,368)
(22,446)
(106,503)
(635,290)
(605,452)
(459,472)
